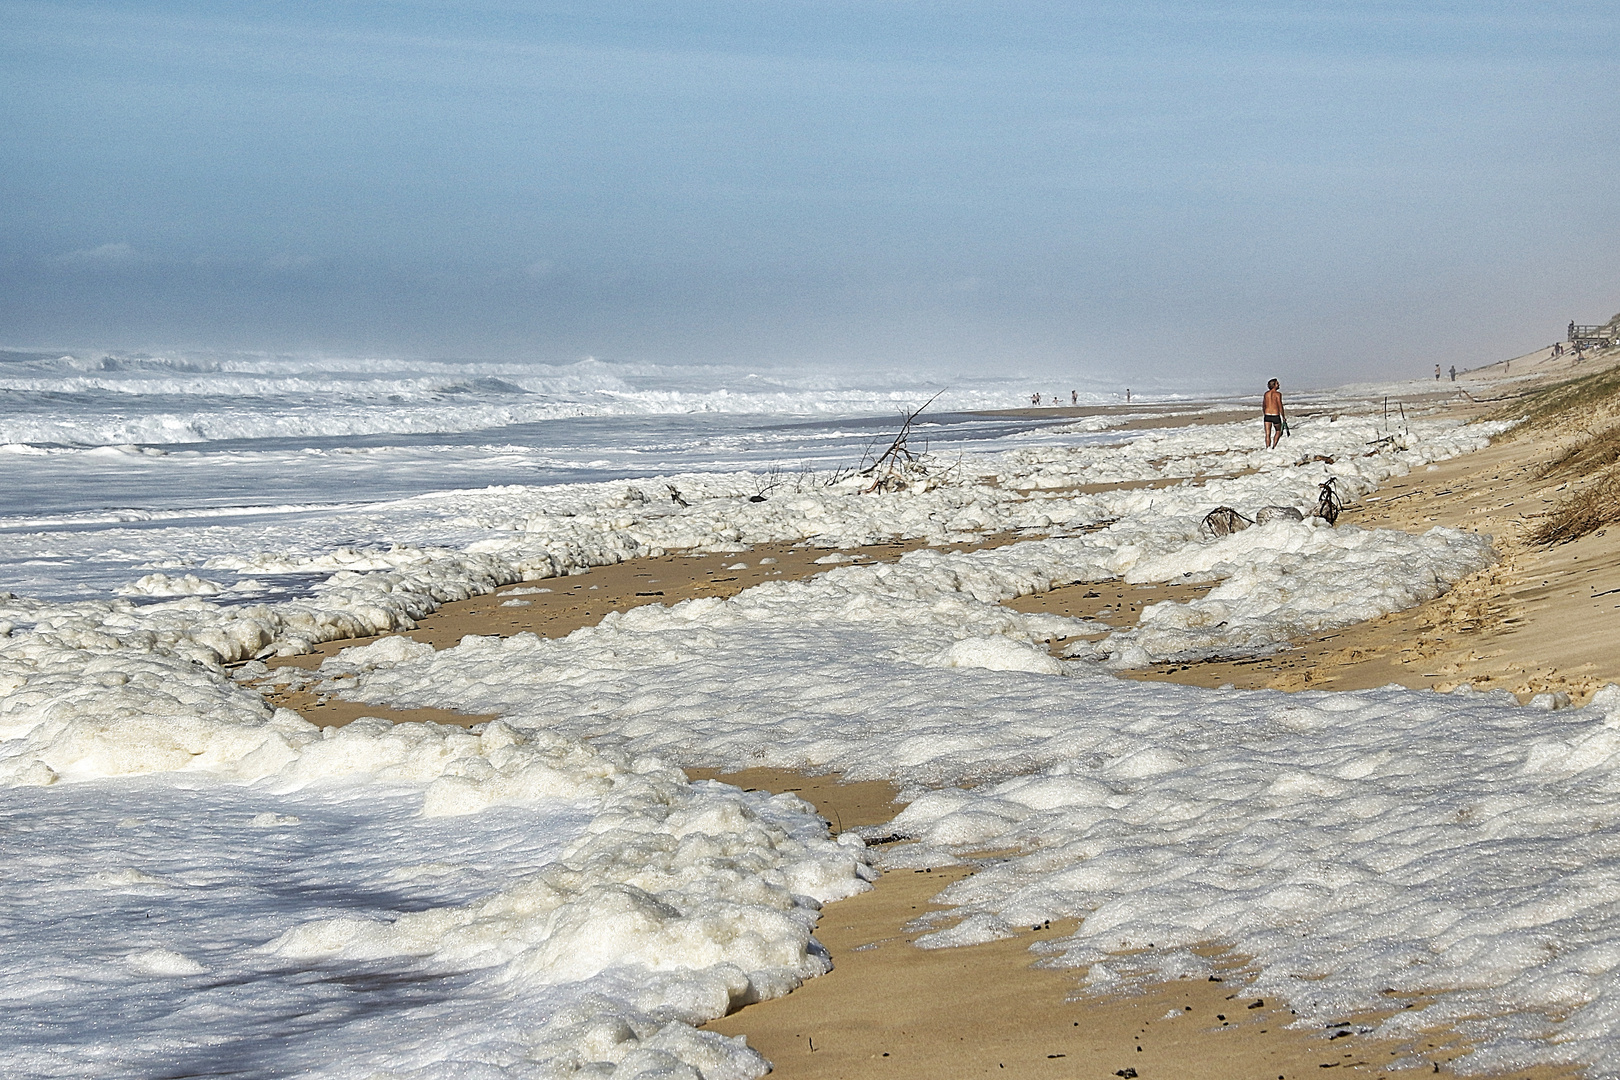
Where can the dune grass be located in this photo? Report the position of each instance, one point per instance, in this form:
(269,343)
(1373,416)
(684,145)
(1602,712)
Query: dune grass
(1590,455)
(1572,404)
(1587,407)
(1594,507)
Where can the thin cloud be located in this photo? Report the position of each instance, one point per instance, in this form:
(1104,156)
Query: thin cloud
(291,262)
(105,255)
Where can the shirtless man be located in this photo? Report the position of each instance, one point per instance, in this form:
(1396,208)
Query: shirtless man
(1271,406)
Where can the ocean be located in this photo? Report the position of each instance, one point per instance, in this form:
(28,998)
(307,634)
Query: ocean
(109,465)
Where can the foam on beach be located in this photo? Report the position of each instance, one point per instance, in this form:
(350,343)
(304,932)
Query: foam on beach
(1355,844)
(503,902)
(545,893)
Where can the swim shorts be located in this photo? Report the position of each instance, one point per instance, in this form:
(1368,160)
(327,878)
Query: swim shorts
(1273,418)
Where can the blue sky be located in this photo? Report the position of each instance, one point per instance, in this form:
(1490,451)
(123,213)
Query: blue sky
(1173,191)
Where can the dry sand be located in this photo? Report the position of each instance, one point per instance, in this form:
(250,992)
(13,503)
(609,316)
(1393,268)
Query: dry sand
(1539,619)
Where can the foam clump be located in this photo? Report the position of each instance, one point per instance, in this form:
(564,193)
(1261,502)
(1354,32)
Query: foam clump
(164,585)
(996,654)
(77,713)
(651,904)
(1282,581)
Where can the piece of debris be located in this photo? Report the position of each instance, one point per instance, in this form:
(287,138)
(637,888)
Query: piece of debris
(1277,513)
(1328,504)
(1223,521)
(899,467)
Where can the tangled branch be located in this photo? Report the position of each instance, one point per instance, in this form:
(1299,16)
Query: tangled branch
(899,466)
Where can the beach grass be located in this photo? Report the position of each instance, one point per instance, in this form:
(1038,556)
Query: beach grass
(1574,402)
(1590,455)
(1594,507)
(1586,407)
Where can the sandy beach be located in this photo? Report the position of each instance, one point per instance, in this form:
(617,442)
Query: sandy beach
(1536,622)
(887,541)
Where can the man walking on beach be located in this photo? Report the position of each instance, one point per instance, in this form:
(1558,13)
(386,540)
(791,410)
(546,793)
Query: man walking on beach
(1271,407)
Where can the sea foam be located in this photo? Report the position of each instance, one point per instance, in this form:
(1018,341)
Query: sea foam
(646,903)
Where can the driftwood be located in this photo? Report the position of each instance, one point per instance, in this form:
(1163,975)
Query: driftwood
(764,485)
(898,466)
(1224,521)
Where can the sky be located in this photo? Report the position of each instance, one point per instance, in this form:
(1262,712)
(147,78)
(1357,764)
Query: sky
(1204,192)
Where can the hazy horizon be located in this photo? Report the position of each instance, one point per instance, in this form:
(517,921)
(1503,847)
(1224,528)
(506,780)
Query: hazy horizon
(1127,192)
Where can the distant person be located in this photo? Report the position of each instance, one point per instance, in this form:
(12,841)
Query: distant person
(1453,372)
(1074,397)
(1127,395)
(1437,373)
(1035,398)
(1271,408)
